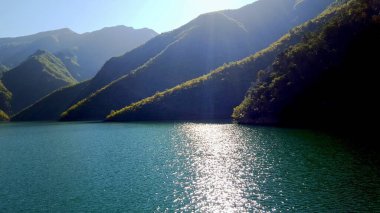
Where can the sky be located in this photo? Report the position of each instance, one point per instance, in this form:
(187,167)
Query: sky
(24,17)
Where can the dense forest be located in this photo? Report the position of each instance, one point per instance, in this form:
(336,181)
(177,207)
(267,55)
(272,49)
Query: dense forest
(328,79)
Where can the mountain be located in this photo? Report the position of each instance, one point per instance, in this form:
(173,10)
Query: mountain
(91,50)
(318,46)
(188,52)
(327,80)
(218,37)
(13,51)
(35,78)
(95,48)
(214,95)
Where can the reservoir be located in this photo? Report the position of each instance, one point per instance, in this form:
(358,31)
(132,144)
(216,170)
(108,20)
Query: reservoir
(181,166)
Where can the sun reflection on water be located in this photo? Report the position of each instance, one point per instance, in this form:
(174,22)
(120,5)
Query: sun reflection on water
(221,180)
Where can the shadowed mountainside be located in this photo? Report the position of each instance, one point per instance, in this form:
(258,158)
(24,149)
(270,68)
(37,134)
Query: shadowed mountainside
(38,76)
(307,77)
(327,80)
(213,96)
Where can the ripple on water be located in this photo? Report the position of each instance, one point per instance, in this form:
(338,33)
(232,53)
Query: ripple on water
(188,167)
(221,179)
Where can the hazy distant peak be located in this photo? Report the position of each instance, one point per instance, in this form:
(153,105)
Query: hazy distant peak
(147,30)
(68,31)
(121,28)
(62,31)
(117,27)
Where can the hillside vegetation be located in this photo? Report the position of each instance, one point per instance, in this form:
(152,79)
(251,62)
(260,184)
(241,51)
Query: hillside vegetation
(189,52)
(328,79)
(214,95)
(3,116)
(327,56)
(5,98)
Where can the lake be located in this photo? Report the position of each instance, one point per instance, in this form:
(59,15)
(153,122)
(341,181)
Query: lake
(167,167)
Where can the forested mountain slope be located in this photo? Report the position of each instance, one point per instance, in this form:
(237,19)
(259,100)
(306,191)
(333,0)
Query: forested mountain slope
(191,51)
(214,95)
(328,79)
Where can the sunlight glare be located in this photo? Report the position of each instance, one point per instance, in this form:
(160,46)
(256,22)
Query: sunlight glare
(220,184)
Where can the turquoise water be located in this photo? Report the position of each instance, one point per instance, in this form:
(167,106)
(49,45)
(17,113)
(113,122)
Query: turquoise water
(167,167)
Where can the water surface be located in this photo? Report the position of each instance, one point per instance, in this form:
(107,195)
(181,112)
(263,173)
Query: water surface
(166,167)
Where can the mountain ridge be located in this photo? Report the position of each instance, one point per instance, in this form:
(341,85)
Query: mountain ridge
(92,49)
(190,58)
(204,59)
(36,77)
(314,82)
(215,95)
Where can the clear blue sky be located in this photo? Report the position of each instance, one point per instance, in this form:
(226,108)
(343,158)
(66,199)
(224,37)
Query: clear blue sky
(23,17)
